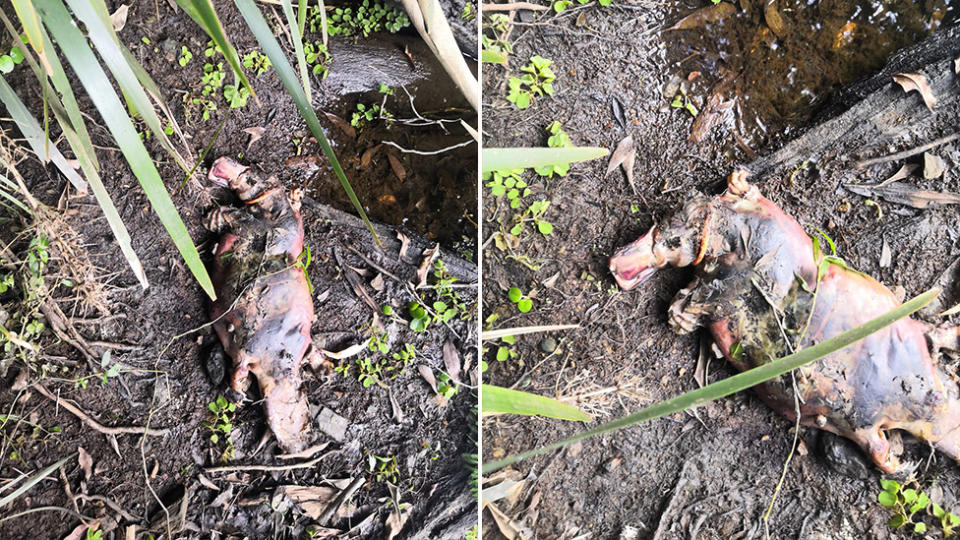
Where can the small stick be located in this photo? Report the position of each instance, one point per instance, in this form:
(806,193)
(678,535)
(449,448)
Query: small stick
(73,409)
(114,506)
(513,6)
(341,497)
(428,152)
(908,153)
(305,453)
(267,468)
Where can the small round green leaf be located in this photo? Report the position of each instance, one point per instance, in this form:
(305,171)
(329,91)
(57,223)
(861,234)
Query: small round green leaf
(544,227)
(514,294)
(887,499)
(525,305)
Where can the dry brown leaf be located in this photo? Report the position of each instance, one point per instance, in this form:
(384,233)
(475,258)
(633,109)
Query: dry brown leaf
(377,282)
(625,151)
(313,500)
(551,281)
(771,15)
(900,193)
(507,527)
(904,171)
(207,483)
(396,166)
(255,134)
(119,17)
(427,375)
(933,166)
(396,520)
(368,154)
(886,257)
(916,81)
(429,255)
(223,498)
(404,245)
(86,462)
(705,16)
(342,124)
(396,411)
(451,360)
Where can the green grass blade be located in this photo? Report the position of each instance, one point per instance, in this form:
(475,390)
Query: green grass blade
(202,12)
(733,384)
(272,49)
(8,195)
(298,45)
(107,44)
(59,78)
(35,136)
(34,480)
(31,27)
(91,75)
(302,15)
(498,400)
(504,159)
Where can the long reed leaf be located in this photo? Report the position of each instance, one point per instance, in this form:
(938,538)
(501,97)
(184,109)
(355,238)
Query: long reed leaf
(202,12)
(733,384)
(34,480)
(35,136)
(498,400)
(31,26)
(274,52)
(91,75)
(101,33)
(504,159)
(298,45)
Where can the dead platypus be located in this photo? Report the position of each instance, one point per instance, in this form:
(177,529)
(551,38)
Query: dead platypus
(757,289)
(263,310)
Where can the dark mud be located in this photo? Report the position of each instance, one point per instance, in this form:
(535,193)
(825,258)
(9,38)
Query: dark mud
(166,385)
(709,473)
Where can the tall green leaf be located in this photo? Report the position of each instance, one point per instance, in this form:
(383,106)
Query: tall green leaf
(503,159)
(108,45)
(202,12)
(288,77)
(498,400)
(733,384)
(297,34)
(74,46)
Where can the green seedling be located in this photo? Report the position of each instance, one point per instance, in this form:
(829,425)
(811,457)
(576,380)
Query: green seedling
(534,213)
(10,60)
(185,56)
(236,96)
(366,114)
(537,80)
(363,20)
(221,425)
(558,139)
(378,343)
(561,5)
(507,183)
(316,55)
(523,302)
(906,503)
(21,323)
(420,319)
(406,354)
(386,90)
(446,386)
(384,469)
(681,101)
(506,352)
(494,46)
(468,13)
(256,62)
(93,534)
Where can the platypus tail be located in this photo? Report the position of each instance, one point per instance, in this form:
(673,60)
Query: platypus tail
(288,414)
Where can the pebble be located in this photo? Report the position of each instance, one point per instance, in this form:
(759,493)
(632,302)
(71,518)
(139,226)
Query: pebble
(548,344)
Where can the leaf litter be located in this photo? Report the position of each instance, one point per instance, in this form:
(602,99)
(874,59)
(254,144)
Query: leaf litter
(916,82)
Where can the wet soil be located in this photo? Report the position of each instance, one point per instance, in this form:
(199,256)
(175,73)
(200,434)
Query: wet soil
(709,473)
(154,332)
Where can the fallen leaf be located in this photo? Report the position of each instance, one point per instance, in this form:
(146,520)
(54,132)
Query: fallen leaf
(313,500)
(886,257)
(404,245)
(581,19)
(705,16)
(904,171)
(396,166)
(395,407)
(342,124)
(904,194)
(86,462)
(507,488)
(933,166)
(617,109)
(451,360)
(427,375)
(368,154)
(551,281)
(119,17)
(255,134)
(396,520)
(624,156)
(429,255)
(506,526)
(377,282)
(916,81)
(207,483)
(223,498)
(771,15)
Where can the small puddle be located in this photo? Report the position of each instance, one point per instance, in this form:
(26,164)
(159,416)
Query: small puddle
(769,65)
(435,194)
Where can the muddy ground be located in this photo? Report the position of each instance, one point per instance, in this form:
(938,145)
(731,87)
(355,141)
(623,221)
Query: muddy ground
(708,474)
(158,338)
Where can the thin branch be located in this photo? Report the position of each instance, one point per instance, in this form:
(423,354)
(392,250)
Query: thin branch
(267,468)
(513,6)
(907,153)
(429,152)
(73,409)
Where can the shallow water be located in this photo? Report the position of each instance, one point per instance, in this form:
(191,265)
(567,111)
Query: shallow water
(775,63)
